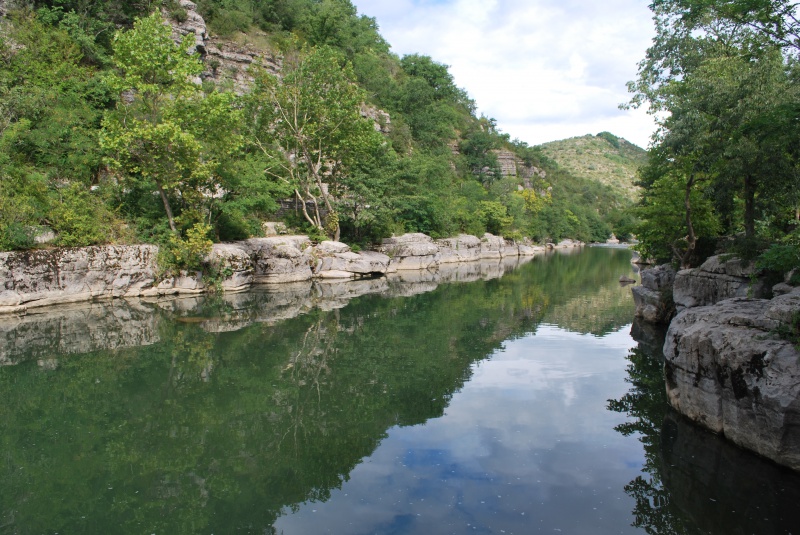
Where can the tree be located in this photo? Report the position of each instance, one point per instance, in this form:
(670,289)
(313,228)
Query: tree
(309,123)
(165,132)
(718,76)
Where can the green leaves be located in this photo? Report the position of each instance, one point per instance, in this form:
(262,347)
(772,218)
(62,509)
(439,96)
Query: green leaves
(309,123)
(166,132)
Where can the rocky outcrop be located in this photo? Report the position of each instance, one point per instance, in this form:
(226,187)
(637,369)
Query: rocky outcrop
(411,252)
(461,248)
(653,299)
(720,277)
(44,277)
(187,21)
(335,260)
(728,370)
(136,321)
(729,366)
(36,278)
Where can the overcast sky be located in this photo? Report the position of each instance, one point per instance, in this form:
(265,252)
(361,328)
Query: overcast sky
(545,69)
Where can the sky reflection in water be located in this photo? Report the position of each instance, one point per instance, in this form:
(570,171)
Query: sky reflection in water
(526,446)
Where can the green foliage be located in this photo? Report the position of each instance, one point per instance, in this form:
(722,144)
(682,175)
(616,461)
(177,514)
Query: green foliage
(663,229)
(611,138)
(186,253)
(106,137)
(723,74)
(166,133)
(780,258)
(309,124)
(81,217)
(494,217)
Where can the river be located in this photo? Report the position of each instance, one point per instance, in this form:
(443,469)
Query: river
(521,403)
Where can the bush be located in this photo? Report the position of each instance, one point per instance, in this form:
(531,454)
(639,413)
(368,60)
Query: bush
(187,253)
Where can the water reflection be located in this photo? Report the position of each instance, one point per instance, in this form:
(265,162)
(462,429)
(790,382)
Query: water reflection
(693,481)
(225,414)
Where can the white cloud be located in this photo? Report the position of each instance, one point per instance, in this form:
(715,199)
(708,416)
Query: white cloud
(545,69)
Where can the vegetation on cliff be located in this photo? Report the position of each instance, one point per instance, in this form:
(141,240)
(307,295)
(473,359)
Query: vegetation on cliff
(112,131)
(722,76)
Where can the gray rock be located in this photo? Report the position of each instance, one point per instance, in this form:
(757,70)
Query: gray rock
(233,263)
(280,259)
(193,25)
(492,246)
(717,279)
(653,299)
(335,260)
(411,252)
(728,371)
(461,248)
(57,276)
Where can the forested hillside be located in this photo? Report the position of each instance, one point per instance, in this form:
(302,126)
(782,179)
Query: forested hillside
(114,130)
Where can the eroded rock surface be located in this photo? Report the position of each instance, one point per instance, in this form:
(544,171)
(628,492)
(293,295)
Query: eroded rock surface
(728,370)
(57,276)
(653,299)
(717,279)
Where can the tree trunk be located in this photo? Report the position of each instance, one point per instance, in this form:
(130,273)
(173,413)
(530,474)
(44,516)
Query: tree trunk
(749,206)
(167,208)
(691,238)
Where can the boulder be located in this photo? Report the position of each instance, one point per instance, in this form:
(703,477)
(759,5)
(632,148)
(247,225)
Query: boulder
(720,277)
(411,251)
(462,248)
(492,246)
(56,276)
(653,299)
(280,259)
(335,260)
(233,265)
(728,370)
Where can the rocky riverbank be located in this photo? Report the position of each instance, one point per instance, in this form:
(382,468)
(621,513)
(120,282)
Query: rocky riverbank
(134,321)
(731,364)
(39,278)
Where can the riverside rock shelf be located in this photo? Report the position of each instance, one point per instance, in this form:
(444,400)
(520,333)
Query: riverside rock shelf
(44,277)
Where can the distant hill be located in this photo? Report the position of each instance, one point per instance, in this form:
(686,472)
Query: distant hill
(603,158)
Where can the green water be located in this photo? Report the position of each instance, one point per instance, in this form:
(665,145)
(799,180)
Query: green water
(518,404)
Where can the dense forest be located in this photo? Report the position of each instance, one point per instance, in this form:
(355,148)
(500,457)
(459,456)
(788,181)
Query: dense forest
(722,175)
(111,131)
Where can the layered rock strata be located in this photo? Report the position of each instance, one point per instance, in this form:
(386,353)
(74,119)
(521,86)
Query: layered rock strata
(133,322)
(653,299)
(728,369)
(730,363)
(38,278)
(719,278)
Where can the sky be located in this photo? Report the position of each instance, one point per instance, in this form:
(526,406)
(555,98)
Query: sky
(544,69)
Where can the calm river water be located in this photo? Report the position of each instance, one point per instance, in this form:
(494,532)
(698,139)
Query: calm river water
(521,403)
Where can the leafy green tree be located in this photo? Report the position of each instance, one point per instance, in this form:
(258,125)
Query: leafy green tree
(718,71)
(478,146)
(309,123)
(165,132)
